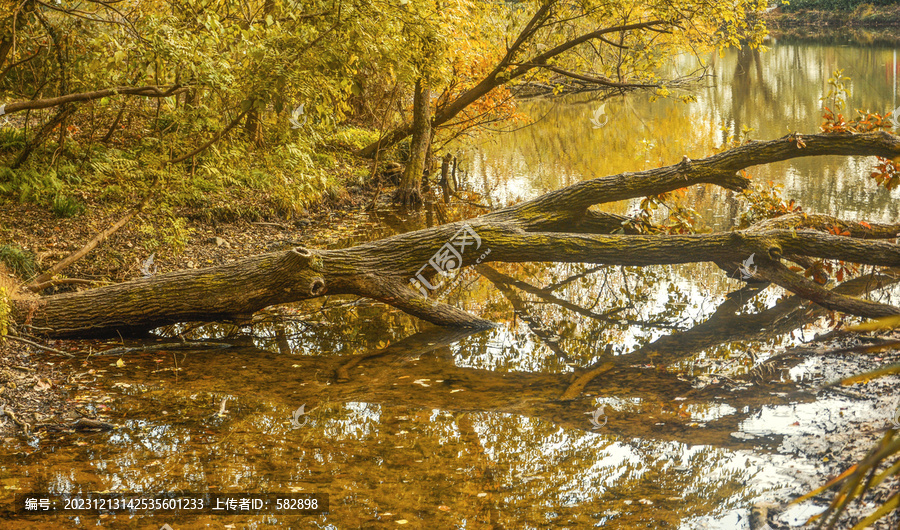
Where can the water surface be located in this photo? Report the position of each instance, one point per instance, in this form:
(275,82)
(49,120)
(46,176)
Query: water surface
(407,424)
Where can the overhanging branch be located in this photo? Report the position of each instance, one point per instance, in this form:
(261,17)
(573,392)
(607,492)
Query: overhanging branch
(145,91)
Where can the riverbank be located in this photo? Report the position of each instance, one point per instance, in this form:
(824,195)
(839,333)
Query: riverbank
(34,396)
(827,20)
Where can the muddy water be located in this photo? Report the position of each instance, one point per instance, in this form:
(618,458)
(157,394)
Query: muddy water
(406,425)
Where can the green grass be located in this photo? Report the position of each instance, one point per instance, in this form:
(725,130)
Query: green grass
(64,206)
(20,262)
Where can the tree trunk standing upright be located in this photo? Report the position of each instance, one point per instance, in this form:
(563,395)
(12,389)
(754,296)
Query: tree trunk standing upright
(6,44)
(445,176)
(410,192)
(16,20)
(253,127)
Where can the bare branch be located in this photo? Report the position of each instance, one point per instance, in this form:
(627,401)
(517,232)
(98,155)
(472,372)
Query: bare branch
(145,91)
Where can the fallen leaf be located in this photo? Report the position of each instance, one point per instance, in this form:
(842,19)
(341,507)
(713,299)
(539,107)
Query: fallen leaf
(120,363)
(444,508)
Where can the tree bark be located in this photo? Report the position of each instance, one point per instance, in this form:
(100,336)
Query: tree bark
(6,44)
(445,177)
(80,97)
(253,127)
(556,227)
(410,191)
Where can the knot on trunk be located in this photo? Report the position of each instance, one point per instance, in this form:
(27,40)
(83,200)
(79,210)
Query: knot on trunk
(307,258)
(317,286)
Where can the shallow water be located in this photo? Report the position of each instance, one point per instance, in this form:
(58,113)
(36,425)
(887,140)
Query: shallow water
(404,424)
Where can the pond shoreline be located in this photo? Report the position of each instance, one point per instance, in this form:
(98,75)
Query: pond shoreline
(864,17)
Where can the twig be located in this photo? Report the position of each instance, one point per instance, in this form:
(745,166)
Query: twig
(211,141)
(470,203)
(91,245)
(61,281)
(23,424)
(41,346)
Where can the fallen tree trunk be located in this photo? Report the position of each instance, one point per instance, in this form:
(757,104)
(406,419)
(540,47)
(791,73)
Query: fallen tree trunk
(555,227)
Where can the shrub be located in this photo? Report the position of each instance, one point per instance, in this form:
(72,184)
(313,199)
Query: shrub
(20,262)
(66,206)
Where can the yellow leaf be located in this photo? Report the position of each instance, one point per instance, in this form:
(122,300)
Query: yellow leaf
(120,363)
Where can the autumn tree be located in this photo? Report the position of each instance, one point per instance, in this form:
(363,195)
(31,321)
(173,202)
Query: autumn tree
(609,45)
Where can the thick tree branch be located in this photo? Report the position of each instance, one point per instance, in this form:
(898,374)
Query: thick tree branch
(812,291)
(552,228)
(601,81)
(721,169)
(146,91)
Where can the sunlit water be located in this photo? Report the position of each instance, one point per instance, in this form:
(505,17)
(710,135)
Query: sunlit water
(445,429)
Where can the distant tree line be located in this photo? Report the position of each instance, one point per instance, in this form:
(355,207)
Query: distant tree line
(834,5)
